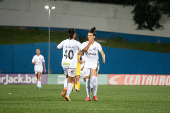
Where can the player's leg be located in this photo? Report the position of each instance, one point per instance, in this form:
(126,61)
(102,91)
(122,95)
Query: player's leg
(77,73)
(74,84)
(95,84)
(83,73)
(69,88)
(84,79)
(87,77)
(66,79)
(37,76)
(91,87)
(71,75)
(36,73)
(39,80)
(65,82)
(78,82)
(65,86)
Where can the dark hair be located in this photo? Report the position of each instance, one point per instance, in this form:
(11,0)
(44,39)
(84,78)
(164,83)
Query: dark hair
(92,30)
(71,32)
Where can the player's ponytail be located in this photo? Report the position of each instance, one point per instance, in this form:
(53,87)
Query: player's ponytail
(71,32)
(92,30)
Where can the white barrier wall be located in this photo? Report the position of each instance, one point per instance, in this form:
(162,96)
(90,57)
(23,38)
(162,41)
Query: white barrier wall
(106,17)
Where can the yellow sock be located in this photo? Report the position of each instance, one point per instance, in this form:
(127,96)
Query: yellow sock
(78,86)
(73,85)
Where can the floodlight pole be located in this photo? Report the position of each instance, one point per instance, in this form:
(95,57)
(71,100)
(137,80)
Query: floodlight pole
(49,8)
(49,45)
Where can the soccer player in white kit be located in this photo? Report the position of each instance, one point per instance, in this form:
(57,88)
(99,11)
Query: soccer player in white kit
(38,60)
(69,61)
(91,49)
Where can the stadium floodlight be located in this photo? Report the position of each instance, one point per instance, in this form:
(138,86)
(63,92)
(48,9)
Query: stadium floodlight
(49,8)
(53,7)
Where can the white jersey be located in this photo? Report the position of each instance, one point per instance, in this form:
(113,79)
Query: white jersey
(83,59)
(70,51)
(39,60)
(92,54)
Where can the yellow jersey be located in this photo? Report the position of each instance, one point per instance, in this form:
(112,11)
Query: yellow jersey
(78,70)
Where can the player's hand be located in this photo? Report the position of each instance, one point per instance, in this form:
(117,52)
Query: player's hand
(90,40)
(33,62)
(103,61)
(45,70)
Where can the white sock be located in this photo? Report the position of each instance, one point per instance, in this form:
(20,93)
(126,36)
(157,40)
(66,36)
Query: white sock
(69,88)
(39,83)
(88,87)
(65,82)
(91,86)
(94,78)
(75,86)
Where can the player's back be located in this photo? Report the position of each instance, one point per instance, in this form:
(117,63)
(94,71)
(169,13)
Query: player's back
(70,50)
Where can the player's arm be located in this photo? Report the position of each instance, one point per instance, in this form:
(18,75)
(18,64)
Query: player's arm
(88,45)
(80,61)
(33,60)
(43,60)
(82,68)
(103,56)
(60,45)
(44,66)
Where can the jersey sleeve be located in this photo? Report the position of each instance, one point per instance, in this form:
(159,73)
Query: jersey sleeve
(83,45)
(99,47)
(43,60)
(60,45)
(33,59)
(80,58)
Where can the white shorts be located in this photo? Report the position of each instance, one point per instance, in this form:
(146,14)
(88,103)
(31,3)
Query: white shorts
(70,71)
(40,69)
(91,65)
(83,73)
(36,72)
(88,69)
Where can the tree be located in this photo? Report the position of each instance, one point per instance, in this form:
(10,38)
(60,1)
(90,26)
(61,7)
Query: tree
(147,13)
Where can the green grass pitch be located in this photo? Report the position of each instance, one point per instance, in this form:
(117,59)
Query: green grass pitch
(113,99)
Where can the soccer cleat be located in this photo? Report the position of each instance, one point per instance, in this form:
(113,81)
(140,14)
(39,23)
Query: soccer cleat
(91,89)
(64,92)
(38,87)
(95,98)
(88,99)
(67,98)
(78,90)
